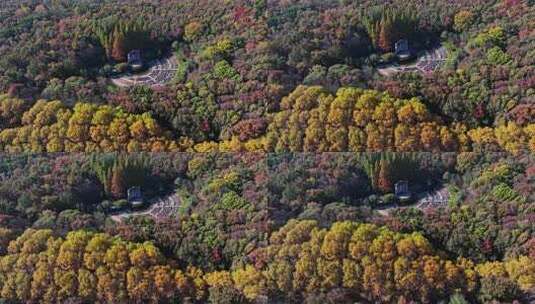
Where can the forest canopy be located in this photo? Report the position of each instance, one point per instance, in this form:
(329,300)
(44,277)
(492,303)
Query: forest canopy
(281,151)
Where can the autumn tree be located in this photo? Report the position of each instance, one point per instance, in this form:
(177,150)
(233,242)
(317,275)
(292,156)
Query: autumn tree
(118,52)
(88,267)
(53,127)
(462,20)
(312,119)
(384,41)
(117,183)
(361,259)
(384,180)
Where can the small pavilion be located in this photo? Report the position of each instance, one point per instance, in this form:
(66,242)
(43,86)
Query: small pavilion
(135,197)
(402,49)
(402,190)
(134,59)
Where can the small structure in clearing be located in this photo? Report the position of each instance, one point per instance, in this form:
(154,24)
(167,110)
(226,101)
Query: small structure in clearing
(134,59)
(402,190)
(402,50)
(135,198)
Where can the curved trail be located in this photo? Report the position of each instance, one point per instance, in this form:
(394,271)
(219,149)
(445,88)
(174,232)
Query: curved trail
(166,207)
(424,200)
(160,72)
(427,62)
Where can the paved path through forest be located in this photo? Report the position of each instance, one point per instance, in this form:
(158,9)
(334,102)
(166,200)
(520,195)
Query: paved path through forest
(427,62)
(160,72)
(424,200)
(165,207)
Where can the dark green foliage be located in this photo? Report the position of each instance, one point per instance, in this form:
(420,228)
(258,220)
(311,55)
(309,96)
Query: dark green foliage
(118,37)
(389,168)
(128,170)
(386,25)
